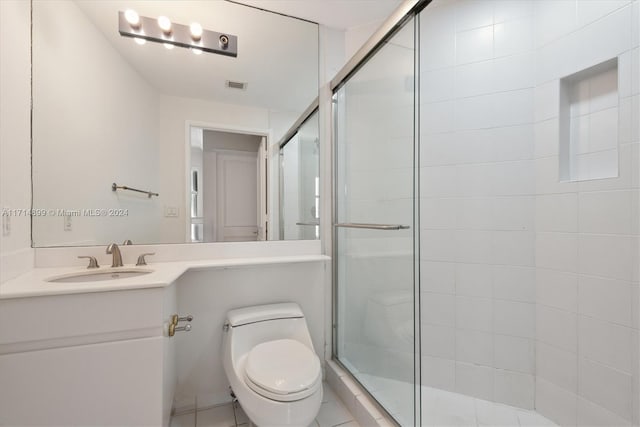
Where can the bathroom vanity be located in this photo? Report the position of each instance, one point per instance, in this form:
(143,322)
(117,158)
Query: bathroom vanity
(81,353)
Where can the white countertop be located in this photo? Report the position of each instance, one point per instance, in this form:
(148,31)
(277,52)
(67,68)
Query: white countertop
(34,282)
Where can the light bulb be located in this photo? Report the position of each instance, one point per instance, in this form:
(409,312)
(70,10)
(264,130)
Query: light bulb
(168,46)
(196,51)
(139,40)
(132,18)
(165,24)
(196,31)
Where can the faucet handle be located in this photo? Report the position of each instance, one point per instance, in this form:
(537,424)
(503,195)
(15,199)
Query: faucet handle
(93,262)
(127,242)
(141,260)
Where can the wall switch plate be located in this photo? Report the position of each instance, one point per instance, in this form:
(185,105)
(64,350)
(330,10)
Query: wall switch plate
(6,225)
(67,223)
(171,211)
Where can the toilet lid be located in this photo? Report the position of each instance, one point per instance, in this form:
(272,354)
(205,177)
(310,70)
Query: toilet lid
(283,366)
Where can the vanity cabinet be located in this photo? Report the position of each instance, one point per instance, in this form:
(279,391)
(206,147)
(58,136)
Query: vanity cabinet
(100,358)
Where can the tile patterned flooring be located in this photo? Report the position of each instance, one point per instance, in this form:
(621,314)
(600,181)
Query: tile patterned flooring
(332,413)
(445,408)
(439,408)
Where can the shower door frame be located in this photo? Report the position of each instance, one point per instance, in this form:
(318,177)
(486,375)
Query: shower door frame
(406,11)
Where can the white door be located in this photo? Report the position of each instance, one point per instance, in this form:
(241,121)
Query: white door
(237,197)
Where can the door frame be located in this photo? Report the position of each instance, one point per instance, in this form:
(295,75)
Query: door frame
(220,127)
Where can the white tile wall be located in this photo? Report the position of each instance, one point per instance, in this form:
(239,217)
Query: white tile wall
(474,347)
(557,327)
(514,283)
(605,342)
(513,353)
(584,320)
(514,318)
(557,366)
(542,273)
(557,289)
(593,415)
(474,380)
(606,255)
(607,299)
(606,387)
(556,403)
(514,388)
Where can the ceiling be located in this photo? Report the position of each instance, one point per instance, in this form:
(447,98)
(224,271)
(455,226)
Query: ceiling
(277,55)
(341,14)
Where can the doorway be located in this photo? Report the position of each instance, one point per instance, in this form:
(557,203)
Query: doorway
(228,180)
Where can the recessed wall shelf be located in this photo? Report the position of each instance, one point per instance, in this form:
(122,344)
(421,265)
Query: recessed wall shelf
(589,123)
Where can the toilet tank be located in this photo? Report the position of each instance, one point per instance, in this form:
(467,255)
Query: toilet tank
(249,326)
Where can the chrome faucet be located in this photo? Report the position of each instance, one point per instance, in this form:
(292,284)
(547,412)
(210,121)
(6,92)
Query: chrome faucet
(117,256)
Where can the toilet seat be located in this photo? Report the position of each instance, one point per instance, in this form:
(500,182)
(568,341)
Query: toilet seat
(284,370)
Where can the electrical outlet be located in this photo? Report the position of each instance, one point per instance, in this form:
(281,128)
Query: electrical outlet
(68,225)
(170,211)
(6,225)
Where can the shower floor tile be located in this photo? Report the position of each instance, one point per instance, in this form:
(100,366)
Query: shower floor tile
(332,413)
(444,408)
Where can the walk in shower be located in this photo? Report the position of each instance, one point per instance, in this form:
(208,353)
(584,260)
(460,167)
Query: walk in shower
(487,214)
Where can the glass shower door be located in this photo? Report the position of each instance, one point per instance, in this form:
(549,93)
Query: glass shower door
(375,273)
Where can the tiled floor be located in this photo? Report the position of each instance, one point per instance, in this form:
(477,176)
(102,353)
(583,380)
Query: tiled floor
(444,408)
(332,413)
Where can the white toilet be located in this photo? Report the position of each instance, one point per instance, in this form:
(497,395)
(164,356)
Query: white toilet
(270,363)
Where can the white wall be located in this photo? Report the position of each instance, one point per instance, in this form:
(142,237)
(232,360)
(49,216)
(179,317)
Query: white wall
(174,115)
(16,255)
(355,37)
(209,295)
(525,277)
(477,200)
(587,231)
(94,123)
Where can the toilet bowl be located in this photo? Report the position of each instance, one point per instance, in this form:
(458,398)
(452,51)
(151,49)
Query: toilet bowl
(270,363)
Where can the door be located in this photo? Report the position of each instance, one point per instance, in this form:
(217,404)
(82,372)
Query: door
(237,196)
(375,267)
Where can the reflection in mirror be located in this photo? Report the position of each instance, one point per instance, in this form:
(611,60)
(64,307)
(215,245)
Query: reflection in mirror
(231,200)
(300,182)
(108,109)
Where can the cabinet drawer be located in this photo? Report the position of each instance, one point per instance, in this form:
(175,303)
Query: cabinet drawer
(24,320)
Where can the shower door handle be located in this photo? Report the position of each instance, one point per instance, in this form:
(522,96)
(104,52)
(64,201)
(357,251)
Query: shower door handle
(372,226)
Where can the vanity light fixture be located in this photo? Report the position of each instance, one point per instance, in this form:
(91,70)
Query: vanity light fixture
(132,18)
(162,30)
(165,24)
(196,31)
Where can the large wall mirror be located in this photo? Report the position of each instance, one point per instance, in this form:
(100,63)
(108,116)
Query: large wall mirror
(200,131)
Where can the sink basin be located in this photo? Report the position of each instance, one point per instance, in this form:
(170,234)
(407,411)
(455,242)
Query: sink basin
(99,275)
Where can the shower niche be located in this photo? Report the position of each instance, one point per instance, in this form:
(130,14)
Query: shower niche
(589,123)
